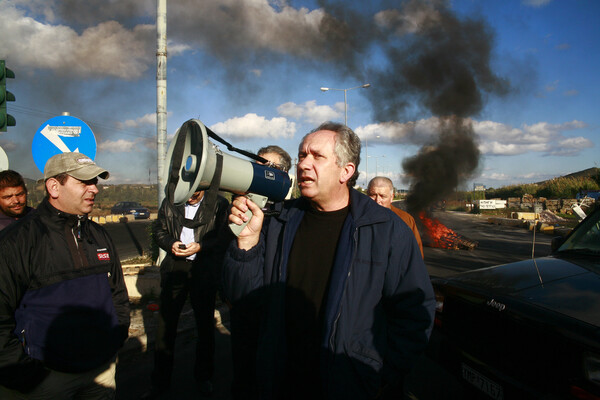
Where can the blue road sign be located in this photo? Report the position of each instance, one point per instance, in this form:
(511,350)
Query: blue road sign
(62,134)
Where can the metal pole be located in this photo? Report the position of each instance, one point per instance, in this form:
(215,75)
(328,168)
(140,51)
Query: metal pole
(161,94)
(345,108)
(366,85)
(367,159)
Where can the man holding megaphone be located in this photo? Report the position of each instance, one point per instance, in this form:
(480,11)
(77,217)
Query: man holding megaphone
(245,315)
(348,301)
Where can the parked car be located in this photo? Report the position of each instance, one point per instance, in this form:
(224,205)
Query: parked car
(526,330)
(130,207)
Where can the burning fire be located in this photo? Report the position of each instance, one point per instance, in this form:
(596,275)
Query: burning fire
(439,235)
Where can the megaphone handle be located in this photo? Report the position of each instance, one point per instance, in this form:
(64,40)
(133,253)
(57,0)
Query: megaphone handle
(260,201)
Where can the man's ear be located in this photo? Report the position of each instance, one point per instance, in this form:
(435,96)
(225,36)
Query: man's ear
(53,187)
(347,172)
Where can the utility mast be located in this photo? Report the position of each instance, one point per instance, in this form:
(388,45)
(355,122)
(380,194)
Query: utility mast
(161,94)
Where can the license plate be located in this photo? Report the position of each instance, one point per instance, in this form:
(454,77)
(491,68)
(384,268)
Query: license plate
(482,383)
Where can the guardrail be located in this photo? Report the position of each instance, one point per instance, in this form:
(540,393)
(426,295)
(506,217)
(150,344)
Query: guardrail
(118,218)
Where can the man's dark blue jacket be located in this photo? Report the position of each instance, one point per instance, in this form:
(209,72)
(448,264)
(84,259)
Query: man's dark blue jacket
(379,308)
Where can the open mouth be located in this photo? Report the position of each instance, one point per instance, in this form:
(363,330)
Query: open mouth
(305,180)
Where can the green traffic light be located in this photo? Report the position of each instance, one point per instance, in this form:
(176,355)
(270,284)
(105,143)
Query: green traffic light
(5,119)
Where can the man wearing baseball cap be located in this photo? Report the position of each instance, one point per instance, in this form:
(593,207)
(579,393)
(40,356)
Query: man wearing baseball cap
(64,312)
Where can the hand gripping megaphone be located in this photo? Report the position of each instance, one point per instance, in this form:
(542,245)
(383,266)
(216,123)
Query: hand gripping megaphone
(195,163)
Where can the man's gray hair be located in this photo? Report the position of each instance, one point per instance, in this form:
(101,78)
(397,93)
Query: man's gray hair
(284,157)
(381,181)
(346,148)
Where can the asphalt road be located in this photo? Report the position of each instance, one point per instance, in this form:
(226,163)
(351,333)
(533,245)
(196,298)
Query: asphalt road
(132,239)
(133,373)
(496,245)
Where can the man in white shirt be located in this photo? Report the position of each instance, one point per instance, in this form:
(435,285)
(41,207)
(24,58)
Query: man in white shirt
(194,236)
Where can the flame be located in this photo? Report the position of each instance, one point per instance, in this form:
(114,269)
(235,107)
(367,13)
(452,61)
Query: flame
(441,236)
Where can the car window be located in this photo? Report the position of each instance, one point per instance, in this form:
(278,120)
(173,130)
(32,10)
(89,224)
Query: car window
(586,236)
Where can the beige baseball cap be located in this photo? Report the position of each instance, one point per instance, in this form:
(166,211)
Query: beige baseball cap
(77,165)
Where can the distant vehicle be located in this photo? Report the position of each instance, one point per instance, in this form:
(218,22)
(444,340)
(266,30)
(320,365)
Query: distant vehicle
(526,330)
(130,207)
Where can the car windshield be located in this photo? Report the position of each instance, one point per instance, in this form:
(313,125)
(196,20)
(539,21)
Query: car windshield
(586,238)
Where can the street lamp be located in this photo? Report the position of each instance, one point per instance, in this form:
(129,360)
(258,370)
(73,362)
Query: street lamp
(366,85)
(376,163)
(325,89)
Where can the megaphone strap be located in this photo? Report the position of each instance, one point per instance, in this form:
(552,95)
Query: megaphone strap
(232,148)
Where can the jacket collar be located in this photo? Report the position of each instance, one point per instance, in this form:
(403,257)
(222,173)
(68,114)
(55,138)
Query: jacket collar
(55,216)
(364,211)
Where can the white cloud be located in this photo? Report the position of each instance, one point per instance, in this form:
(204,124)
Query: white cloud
(495,176)
(499,179)
(148,119)
(541,137)
(106,49)
(254,126)
(230,27)
(571,146)
(536,3)
(310,112)
(495,138)
(414,132)
(119,146)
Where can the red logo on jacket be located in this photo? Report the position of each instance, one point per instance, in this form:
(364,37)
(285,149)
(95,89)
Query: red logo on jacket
(103,255)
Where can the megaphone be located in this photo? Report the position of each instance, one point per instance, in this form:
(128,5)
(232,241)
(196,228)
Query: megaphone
(195,162)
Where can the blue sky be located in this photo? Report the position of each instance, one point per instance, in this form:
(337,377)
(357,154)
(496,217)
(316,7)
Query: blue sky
(252,71)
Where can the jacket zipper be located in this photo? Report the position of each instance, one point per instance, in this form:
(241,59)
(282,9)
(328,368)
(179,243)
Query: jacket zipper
(337,317)
(281,253)
(24,342)
(77,236)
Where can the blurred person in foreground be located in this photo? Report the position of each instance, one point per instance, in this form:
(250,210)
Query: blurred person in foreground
(64,309)
(348,301)
(276,157)
(13,198)
(381,189)
(280,159)
(245,315)
(195,236)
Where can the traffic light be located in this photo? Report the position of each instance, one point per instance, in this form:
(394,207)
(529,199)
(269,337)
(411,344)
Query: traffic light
(5,95)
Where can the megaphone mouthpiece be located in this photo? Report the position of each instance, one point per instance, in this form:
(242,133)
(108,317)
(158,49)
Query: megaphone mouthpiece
(192,160)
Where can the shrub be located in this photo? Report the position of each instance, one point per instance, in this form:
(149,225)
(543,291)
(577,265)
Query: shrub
(566,188)
(558,188)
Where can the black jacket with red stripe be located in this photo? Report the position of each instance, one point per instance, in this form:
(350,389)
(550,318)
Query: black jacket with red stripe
(63,300)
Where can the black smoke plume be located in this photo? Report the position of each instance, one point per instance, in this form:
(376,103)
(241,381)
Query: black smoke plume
(440,167)
(441,68)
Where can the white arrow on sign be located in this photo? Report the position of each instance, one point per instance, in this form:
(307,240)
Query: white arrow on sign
(52,134)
